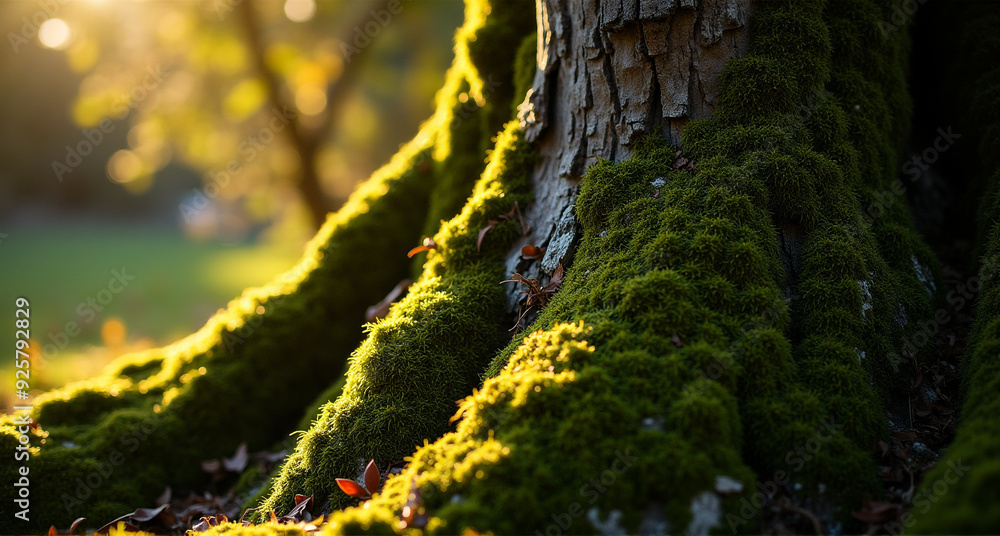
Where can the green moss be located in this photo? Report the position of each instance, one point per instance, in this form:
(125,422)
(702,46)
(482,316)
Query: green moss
(426,354)
(610,394)
(671,356)
(403,380)
(165,410)
(671,338)
(476,100)
(960,495)
(267,529)
(234,381)
(230,382)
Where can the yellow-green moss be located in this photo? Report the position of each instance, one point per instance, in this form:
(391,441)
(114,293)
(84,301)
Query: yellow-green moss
(429,352)
(165,410)
(671,339)
(670,357)
(266,529)
(252,370)
(431,349)
(477,98)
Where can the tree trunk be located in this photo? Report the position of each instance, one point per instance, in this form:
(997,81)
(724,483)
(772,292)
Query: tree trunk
(671,349)
(608,74)
(720,351)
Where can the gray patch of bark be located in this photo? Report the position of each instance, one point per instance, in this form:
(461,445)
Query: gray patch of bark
(610,72)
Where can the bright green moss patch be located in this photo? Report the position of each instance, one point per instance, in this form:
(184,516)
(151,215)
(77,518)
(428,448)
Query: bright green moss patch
(265,529)
(626,399)
(671,337)
(476,101)
(429,352)
(252,370)
(669,374)
(113,443)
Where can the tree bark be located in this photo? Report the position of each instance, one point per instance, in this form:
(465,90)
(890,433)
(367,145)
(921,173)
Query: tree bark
(668,362)
(608,73)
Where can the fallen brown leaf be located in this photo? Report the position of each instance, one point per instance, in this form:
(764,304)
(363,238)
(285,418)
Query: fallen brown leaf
(353,489)
(490,225)
(372,477)
(532,252)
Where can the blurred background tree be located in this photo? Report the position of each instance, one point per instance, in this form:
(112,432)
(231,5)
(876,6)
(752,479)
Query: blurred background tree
(197,143)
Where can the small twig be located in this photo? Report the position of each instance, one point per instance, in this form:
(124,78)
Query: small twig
(247,511)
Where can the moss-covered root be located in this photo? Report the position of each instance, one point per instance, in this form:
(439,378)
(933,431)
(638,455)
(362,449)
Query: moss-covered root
(676,322)
(828,133)
(863,269)
(404,379)
(962,493)
(623,407)
(250,372)
(111,444)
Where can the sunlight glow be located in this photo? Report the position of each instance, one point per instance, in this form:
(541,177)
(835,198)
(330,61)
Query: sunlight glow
(124,166)
(54,33)
(310,100)
(113,332)
(300,10)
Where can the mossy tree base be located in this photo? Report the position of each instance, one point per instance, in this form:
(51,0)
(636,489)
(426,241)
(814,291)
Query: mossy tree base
(730,320)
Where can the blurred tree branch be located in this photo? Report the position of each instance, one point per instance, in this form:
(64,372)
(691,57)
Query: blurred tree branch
(306,139)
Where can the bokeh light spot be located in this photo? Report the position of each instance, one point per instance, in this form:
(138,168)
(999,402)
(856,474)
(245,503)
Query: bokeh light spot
(124,166)
(54,33)
(310,100)
(113,332)
(300,10)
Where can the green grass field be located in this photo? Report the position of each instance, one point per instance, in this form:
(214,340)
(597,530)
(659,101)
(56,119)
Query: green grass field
(65,272)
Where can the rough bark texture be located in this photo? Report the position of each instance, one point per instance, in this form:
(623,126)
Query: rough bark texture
(670,351)
(609,73)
